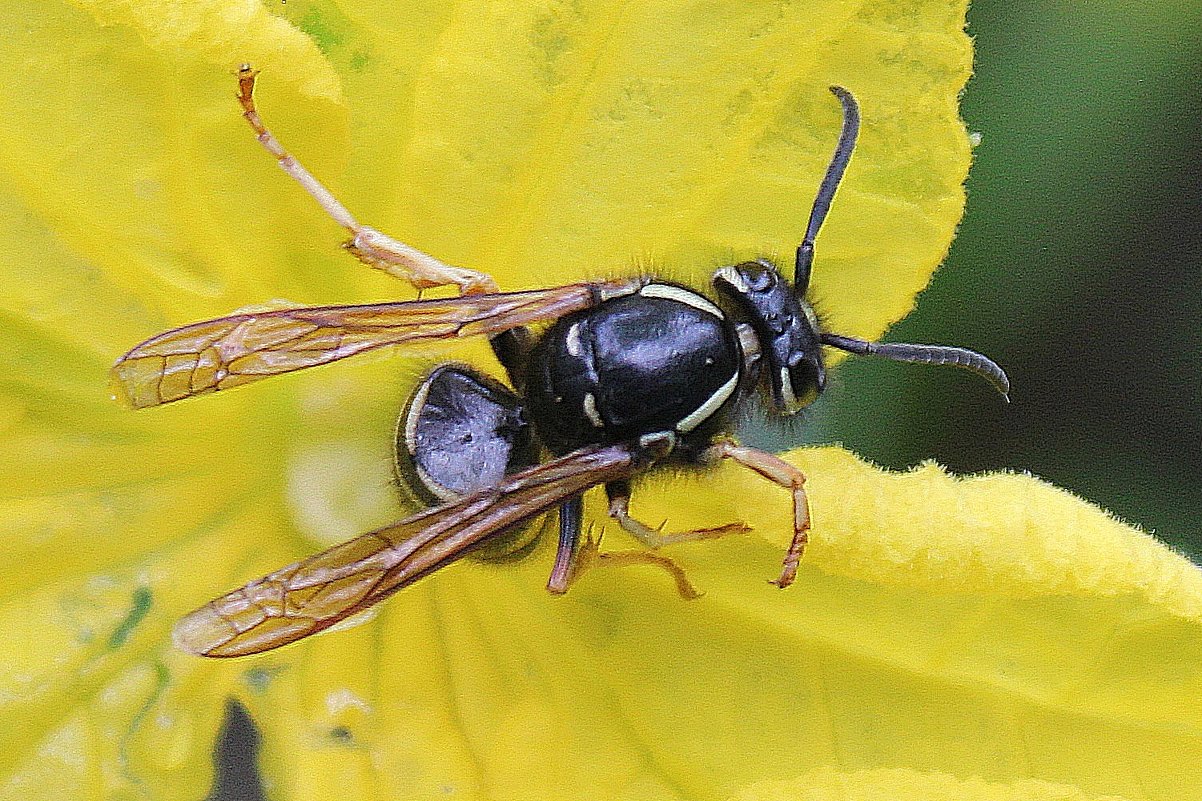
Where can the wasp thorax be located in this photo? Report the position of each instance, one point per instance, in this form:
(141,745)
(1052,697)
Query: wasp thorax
(784,324)
(662,359)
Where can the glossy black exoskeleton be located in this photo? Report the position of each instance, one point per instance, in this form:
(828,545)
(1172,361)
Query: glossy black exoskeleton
(662,364)
(662,359)
(626,375)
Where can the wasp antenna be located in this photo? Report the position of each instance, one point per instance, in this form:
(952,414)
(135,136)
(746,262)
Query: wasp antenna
(830,182)
(927,354)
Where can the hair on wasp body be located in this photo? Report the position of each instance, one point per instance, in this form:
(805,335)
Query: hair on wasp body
(609,378)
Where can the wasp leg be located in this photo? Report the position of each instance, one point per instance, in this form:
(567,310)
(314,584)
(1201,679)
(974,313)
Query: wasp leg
(592,557)
(589,556)
(370,246)
(576,555)
(571,513)
(512,349)
(779,472)
(619,510)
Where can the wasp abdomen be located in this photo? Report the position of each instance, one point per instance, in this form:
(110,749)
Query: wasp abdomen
(461,432)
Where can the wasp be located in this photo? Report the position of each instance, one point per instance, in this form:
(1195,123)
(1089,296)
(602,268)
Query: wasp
(610,379)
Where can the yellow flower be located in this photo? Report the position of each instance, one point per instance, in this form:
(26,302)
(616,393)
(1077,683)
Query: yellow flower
(988,638)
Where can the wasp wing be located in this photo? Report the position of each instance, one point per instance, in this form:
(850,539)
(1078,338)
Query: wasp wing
(229,351)
(317,592)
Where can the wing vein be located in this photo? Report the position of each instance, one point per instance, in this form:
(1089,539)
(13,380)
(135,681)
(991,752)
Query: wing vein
(317,592)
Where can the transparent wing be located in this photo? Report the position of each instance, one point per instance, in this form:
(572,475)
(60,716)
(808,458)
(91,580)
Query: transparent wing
(319,591)
(230,351)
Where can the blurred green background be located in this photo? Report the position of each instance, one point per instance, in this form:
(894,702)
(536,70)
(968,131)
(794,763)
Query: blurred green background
(1078,267)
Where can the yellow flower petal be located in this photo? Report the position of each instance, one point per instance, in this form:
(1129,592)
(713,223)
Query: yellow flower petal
(890,785)
(1014,537)
(882,659)
(220,30)
(544,142)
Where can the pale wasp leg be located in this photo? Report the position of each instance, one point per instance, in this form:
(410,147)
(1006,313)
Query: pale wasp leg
(370,246)
(619,510)
(779,472)
(589,556)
